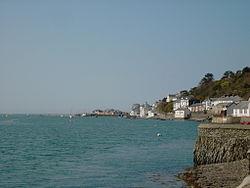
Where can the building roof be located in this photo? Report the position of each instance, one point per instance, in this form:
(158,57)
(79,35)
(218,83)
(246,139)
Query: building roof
(183,109)
(230,98)
(196,104)
(224,104)
(146,106)
(242,105)
(177,101)
(182,98)
(171,95)
(207,99)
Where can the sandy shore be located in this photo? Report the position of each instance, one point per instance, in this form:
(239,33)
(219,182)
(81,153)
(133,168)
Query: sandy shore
(227,175)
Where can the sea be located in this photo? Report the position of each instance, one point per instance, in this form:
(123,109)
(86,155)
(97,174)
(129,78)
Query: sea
(54,151)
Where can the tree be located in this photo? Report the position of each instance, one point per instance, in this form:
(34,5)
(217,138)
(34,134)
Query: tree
(209,77)
(238,73)
(193,90)
(245,70)
(231,83)
(228,74)
(184,93)
(164,107)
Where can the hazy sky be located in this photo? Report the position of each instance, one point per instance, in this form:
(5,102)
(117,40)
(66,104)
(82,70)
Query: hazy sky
(71,56)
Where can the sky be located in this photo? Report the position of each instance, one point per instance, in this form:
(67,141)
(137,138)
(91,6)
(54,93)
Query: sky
(61,56)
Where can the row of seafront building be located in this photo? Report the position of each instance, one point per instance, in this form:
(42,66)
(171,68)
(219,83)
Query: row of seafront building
(143,110)
(223,109)
(186,106)
(183,107)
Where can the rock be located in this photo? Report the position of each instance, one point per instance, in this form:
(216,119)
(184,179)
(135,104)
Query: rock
(227,175)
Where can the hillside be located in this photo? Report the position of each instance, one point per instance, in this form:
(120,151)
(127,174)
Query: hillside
(231,83)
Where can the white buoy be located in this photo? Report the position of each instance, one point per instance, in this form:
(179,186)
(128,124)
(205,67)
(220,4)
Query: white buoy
(158,134)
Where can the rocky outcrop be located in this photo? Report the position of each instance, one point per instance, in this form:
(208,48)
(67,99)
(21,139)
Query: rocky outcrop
(218,143)
(226,175)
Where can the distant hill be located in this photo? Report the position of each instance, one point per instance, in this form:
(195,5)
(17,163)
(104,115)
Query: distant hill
(231,83)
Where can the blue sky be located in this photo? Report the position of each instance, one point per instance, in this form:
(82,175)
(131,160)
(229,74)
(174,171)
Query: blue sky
(71,56)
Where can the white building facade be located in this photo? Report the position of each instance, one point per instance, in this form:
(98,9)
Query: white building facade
(151,114)
(181,103)
(197,107)
(144,109)
(135,111)
(207,103)
(242,109)
(182,113)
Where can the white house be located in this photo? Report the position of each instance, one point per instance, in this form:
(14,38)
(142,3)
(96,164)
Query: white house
(181,103)
(135,114)
(242,109)
(177,104)
(151,114)
(197,107)
(222,109)
(144,110)
(182,113)
(154,105)
(171,98)
(207,103)
(135,111)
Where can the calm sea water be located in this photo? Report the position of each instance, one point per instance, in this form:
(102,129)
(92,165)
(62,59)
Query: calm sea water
(47,151)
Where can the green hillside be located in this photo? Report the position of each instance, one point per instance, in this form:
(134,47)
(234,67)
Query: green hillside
(231,83)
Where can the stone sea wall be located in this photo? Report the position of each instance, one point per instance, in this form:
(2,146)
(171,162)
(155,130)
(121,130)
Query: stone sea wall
(220,143)
(226,120)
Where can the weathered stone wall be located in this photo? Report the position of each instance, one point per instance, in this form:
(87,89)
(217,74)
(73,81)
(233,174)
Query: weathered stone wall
(199,116)
(227,119)
(218,143)
(165,116)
